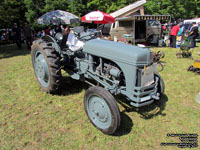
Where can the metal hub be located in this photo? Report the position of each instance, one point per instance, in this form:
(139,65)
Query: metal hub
(41,69)
(99,112)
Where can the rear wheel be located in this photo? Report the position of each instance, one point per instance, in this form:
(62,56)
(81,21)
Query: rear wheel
(46,64)
(102,109)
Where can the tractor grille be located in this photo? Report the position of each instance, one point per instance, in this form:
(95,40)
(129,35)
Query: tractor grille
(140,92)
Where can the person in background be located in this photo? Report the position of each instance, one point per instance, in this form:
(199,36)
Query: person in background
(165,32)
(193,34)
(47,31)
(65,34)
(173,34)
(42,33)
(7,35)
(199,26)
(180,33)
(38,34)
(164,27)
(28,35)
(3,36)
(22,36)
(16,32)
(67,30)
(10,38)
(52,32)
(58,29)
(62,28)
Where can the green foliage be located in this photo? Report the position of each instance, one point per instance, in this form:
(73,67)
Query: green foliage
(11,11)
(29,10)
(35,10)
(78,7)
(178,9)
(108,6)
(55,4)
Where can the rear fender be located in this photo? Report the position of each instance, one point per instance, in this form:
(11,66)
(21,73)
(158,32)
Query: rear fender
(54,44)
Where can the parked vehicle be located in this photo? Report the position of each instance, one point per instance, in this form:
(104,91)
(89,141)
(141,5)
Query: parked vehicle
(190,21)
(188,24)
(140,28)
(111,68)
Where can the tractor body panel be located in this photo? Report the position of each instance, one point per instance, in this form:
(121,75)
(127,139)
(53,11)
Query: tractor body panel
(118,52)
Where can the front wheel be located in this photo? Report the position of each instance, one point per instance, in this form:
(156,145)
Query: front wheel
(102,109)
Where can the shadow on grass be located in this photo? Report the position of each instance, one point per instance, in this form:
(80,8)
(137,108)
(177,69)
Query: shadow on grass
(71,86)
(126,125)
(146,112)
(149,111)
(11,50)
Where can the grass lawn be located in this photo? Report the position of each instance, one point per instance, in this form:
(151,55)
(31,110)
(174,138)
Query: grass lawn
(33,120)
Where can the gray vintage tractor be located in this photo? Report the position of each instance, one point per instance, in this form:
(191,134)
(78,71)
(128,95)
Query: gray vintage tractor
(111,68)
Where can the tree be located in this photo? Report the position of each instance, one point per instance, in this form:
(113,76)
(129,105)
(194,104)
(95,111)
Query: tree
(34,10)
(56,4)
(82,7)
(178,9)
(29,10)
(78,7)
(11,11)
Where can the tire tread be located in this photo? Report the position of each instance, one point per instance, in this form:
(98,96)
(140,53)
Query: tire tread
(53,59)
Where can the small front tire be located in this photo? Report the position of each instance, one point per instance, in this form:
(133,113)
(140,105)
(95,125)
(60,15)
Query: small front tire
(102,110)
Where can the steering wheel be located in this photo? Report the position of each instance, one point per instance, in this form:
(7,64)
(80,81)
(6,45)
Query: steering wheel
(76,34)
(93,34)
(90,36)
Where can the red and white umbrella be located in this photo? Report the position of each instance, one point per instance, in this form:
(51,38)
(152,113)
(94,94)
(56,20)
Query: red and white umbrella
(98,17)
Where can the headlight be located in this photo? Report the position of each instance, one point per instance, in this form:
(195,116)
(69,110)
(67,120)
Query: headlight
(59,36)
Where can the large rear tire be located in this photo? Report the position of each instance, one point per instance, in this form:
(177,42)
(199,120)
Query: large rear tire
(46,64)
(102,109)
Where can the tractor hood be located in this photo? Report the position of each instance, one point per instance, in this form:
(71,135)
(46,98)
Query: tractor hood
(117,51)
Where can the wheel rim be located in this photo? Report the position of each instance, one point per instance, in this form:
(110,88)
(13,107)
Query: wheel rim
(99,112)
(41,68)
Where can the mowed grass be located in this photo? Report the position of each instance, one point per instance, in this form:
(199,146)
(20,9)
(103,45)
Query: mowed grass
(34,120)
